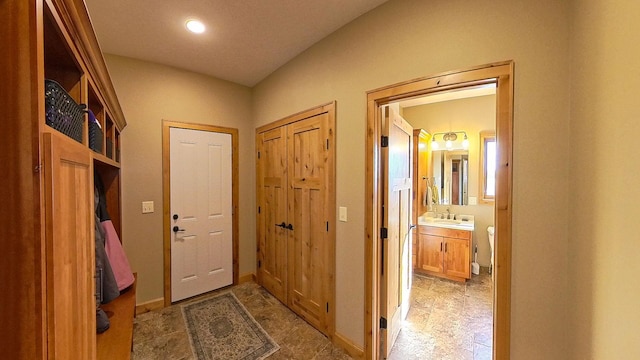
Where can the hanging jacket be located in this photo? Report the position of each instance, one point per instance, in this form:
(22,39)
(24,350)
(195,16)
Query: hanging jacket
(109,286)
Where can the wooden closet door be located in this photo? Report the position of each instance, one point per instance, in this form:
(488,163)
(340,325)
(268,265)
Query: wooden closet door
(70,287)
(310,262)
(272,199)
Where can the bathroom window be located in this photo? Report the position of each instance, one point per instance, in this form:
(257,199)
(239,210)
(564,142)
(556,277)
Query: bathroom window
(488,160)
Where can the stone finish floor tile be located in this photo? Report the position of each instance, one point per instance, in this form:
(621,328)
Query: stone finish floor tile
(162,334)
(172,346)
(447,320)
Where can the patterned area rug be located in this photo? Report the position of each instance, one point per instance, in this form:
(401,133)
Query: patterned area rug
(221,328)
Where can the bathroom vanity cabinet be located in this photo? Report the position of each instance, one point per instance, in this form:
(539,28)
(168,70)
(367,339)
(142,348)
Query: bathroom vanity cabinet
(444,252)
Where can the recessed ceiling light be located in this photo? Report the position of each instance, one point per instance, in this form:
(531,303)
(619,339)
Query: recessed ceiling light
(195,26)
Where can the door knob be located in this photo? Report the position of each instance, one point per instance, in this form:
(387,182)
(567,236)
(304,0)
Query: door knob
(176,229)
(175,216)
(290,227)
(282,225)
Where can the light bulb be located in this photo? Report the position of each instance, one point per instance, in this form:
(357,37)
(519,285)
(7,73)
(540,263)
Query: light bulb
(195,26)
(448,144)
(434,145)
(465,143)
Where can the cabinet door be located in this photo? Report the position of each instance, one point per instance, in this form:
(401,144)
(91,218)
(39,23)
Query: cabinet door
(457,258)
(71,306)
(272,199)
(430,255)
(310,250)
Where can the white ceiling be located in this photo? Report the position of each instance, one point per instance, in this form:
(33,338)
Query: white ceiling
(464,93)
(245,41)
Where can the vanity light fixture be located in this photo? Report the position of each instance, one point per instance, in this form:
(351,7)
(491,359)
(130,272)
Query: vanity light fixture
(449,138)
(195,26)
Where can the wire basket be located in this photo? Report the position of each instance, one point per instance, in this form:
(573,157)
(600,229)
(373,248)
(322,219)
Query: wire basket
(61,111)
(95,133)
(109,148)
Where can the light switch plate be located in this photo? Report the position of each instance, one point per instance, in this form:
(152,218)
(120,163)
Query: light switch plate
(473,200)
(342,214)
(147,207)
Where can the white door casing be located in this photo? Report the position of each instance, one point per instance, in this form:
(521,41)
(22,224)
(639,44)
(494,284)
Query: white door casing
(201,197)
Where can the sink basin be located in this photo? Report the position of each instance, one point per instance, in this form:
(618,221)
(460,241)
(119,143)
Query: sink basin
(446,221)
(462,222)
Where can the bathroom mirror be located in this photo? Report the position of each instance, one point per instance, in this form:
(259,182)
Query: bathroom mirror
(451,176)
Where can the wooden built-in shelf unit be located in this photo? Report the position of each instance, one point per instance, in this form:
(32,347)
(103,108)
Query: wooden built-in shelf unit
(51,267)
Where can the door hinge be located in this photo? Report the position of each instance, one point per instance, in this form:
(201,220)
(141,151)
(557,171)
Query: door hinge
(383,323)
(384,141)
(259,263)
(327,307)
(327,226)
(258,154)
(258,209)
(384,233)
(327,144)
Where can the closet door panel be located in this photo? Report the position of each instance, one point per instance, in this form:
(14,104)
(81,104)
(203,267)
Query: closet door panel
(272,199)
(308,238)
(68,173)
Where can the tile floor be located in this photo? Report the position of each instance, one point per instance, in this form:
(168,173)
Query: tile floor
(447,320)
(162,334)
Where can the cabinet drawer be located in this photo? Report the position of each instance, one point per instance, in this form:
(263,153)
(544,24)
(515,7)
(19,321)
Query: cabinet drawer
(444,232)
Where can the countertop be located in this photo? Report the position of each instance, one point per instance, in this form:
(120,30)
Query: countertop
(462,222)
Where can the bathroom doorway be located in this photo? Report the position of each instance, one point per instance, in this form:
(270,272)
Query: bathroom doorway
(451,305)
(500,74)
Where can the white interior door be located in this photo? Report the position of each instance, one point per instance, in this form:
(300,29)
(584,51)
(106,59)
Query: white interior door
(201,211)
(396,176)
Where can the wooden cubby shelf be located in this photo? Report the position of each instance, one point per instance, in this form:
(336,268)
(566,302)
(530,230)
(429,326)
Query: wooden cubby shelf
(53,252)
(117,342)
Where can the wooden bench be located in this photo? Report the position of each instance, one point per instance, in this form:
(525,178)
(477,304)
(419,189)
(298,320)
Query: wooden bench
(117,342)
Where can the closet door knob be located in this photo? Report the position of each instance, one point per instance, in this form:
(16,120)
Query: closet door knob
(282,225)
(290,227)
(175,216)
(177,229)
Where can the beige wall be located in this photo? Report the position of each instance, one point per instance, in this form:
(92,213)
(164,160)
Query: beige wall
(471,115)
(406,39)
(604,245)
(573,296)
(150,93)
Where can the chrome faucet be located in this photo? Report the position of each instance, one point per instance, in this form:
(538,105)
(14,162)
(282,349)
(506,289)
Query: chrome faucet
(448,213)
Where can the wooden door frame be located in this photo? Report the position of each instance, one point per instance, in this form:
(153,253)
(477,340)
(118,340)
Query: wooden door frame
(166,195)
(330,109)
(500,74)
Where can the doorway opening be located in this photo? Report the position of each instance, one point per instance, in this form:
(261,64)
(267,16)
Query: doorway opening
(501,75)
